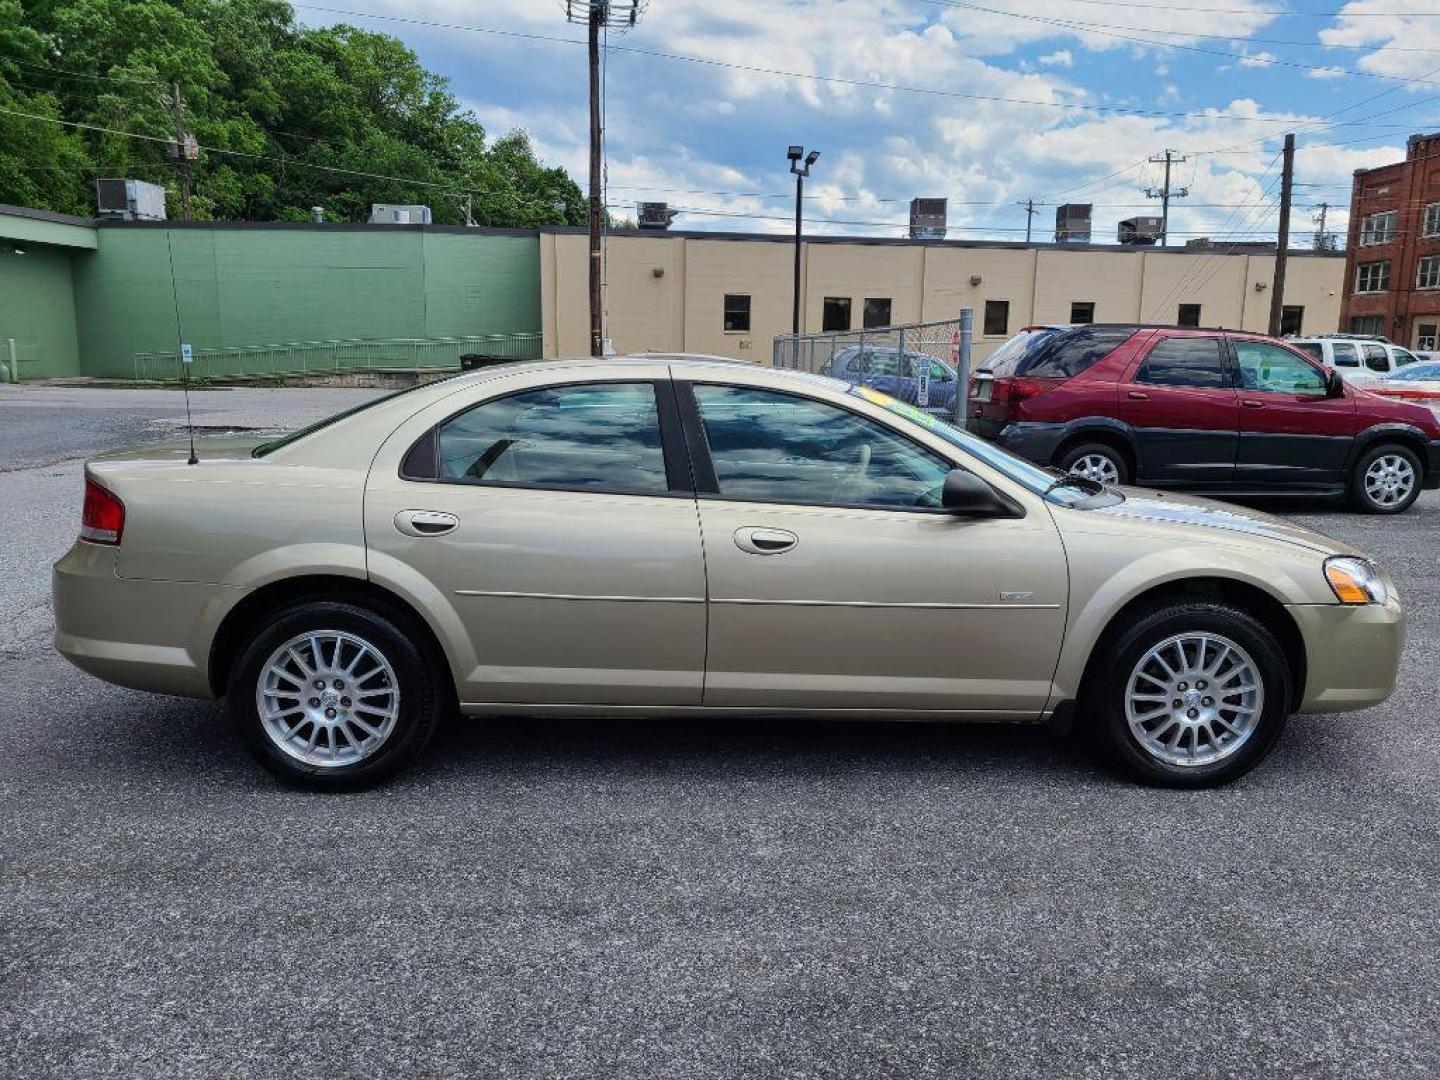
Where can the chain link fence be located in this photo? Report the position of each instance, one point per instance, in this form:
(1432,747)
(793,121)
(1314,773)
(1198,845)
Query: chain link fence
(336,357)
(914,363)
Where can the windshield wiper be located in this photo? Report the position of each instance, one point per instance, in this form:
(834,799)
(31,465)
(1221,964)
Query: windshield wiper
(1084,483)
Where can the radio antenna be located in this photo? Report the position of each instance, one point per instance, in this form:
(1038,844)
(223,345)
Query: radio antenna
(186,354)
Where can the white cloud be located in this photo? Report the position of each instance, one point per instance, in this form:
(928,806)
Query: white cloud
(1259,59)
(1406,39)
(1058,58)
(1326,73)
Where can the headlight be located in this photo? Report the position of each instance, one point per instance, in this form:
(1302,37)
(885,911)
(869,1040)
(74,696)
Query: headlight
(1355,581)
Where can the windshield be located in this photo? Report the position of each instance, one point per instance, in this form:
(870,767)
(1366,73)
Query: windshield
(1040,481)
(1423,372)
(310,429)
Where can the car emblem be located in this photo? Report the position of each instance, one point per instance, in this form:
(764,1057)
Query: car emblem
(1016,595)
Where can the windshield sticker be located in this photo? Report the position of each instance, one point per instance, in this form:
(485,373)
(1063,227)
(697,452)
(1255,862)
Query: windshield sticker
(885,401)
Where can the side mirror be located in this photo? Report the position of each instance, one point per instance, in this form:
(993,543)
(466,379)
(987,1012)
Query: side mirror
(965,493)
(1334,384)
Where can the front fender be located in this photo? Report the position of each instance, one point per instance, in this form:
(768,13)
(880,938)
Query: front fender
(1102,586)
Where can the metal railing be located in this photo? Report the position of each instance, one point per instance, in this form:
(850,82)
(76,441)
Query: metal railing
(335,357)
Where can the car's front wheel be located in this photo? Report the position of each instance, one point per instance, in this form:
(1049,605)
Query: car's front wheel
(333,695)
(1386,480)
(1096,461)
(1191,693)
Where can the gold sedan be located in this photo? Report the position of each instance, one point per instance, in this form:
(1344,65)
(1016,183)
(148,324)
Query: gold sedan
(679,536)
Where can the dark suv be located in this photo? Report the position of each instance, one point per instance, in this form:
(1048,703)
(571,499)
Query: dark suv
(1206,409)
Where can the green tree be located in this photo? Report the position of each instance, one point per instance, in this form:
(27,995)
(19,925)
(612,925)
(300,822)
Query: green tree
(289,116)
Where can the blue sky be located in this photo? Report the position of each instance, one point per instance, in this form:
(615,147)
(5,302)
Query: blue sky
(1045,99)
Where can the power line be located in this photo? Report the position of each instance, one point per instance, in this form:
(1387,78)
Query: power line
(835,79)
(1258,11)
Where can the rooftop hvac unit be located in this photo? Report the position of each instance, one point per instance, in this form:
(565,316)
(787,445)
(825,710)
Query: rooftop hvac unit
(654,215)
(1072,223)
(130,200)
(927,219)
(1138,230)
(396,214)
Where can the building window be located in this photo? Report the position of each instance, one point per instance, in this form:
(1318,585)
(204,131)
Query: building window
(1365,324)
(1292,319)
(997,318)
(737,313)
(1427,272)
(876,312)
(1372,277)
(1431,226)
(1082,311)
(836,314)
(1425,337)
(1378,228)
(1189,315)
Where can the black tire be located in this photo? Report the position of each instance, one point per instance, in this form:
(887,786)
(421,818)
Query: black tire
(1095,449)
(1106,688)
(1360,497)
(421,697)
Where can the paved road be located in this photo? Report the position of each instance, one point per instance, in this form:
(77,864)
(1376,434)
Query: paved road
(683,899)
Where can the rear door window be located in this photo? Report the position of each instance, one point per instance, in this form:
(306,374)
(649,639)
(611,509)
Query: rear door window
(1184,361)
(1346,353)
(586,437)
(1376,358)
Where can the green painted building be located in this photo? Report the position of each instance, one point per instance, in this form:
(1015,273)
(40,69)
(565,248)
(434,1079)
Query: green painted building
(86,298)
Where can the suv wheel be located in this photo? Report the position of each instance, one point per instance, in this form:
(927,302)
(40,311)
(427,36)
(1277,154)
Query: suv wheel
(1096,461)
(1386,480)
(1191,694)
(333,696)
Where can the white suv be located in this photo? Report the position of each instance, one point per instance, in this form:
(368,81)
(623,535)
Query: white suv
(1358,359)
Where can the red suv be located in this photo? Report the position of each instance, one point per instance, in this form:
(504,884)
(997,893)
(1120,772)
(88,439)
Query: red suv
(1210,409)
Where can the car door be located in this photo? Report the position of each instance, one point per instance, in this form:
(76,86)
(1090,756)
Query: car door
(836,582)
(1291,429)
(553,526)
(1178,398)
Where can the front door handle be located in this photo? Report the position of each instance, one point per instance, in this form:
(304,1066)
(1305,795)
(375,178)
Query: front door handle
(425,522)
(765,541)
(1247,403)
(1136,395)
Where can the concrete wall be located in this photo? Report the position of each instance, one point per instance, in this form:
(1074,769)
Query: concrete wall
(682,309)
(149,288)
(37,309)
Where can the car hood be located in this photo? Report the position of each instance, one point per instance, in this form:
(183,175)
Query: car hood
(1165,508)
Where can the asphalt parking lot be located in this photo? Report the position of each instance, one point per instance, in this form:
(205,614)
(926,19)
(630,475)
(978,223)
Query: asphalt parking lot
(687,899)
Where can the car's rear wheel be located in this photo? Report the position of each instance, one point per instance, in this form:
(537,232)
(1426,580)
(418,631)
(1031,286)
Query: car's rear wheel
(333,696)
(1191,693)
(1386,480)
(1096,461)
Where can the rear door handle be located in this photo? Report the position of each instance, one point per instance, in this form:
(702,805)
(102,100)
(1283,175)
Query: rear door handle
(759,541)
(1246,403)
(425,522)
(1136,395)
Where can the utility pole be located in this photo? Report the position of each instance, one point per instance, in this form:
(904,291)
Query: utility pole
(1323,240)
(598,15)
(1282,244)
(182,149)
(1166,192)
(1029,205)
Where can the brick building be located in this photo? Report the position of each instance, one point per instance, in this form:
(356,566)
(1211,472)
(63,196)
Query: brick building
(1392,265)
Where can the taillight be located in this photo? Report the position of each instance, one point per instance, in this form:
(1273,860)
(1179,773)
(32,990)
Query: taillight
(103,519)
(1012,392)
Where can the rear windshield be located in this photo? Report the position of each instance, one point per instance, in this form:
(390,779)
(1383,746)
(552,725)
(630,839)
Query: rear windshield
(1055,352)
(319,425)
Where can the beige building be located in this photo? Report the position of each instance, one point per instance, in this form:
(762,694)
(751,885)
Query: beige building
(730,294)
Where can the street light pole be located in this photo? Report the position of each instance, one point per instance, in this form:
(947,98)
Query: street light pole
(795,153)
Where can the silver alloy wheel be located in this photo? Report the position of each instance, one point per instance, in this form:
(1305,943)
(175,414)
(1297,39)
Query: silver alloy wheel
(1389,480)
(1194,699)
(328,698)
(1096,467)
